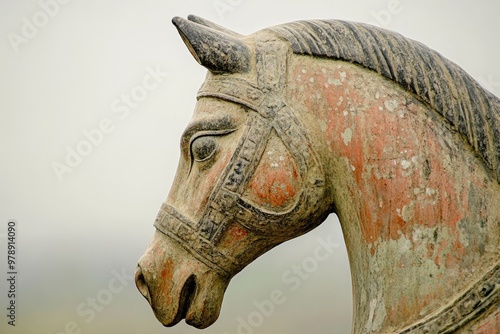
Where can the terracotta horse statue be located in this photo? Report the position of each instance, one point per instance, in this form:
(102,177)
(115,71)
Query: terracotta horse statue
(309,118)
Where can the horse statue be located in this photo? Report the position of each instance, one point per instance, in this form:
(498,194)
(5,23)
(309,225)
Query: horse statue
(309,118)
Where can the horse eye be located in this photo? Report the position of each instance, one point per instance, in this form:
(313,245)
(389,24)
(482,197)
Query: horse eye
(203,148)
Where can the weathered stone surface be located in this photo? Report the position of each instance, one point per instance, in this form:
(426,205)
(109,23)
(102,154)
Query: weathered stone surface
(304,119)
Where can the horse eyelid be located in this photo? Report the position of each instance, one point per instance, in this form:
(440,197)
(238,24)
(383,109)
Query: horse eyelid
(213,133)
(207,133)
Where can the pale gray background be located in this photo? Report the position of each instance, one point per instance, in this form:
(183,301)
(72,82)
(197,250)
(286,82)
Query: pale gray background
(73,234)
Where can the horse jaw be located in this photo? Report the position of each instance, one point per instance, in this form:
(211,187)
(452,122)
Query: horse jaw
(186,289)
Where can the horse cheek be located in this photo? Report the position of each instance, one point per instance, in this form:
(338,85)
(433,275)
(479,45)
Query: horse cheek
(276,181)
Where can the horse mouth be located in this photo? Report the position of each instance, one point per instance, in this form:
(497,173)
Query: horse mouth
(177,286)
(186,298)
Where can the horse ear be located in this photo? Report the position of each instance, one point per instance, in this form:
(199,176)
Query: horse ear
(216,50)
(207,23)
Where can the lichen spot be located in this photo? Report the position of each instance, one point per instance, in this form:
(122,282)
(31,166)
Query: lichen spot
(347,136)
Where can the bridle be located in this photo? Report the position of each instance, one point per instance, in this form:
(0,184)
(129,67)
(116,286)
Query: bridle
(268,112)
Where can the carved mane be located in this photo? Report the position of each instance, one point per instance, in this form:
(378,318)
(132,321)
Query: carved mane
(471,110)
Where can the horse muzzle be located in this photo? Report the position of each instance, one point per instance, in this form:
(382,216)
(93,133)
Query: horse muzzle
(178,286)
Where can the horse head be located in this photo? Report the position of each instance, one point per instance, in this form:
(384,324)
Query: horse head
(248,179)
(308,118)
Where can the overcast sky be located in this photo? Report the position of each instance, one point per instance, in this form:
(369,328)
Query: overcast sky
(65,66)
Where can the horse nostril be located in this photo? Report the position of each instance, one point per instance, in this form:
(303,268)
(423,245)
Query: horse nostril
(141,284)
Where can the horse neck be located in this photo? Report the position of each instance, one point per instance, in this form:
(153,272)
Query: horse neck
(417,208)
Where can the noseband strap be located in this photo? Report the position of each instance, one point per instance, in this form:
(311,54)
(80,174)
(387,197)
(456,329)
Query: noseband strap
(173,224)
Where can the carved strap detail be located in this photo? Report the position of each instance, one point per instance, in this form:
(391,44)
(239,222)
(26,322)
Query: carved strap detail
(200,238)
(242,92)
(484,294)
(226,204)
(220,209)
(271,114)
(170,222)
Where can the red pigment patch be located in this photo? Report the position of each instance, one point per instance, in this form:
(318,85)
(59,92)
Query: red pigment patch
(276,180)
(490,325)
(400,180)
(236,232)
(167,273)
(235,237)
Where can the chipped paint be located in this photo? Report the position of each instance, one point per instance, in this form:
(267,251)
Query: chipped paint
(391,105)
(411,188)
(347,136)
